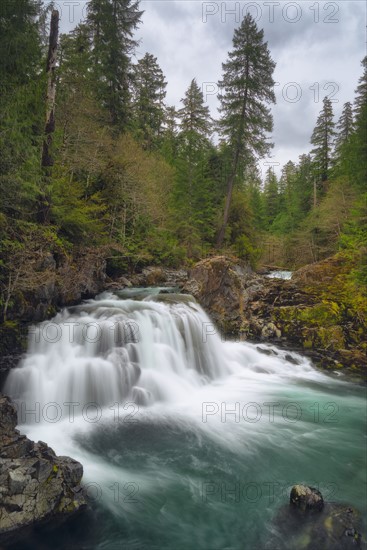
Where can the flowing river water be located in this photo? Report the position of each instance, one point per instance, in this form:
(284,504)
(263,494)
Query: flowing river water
(187,441)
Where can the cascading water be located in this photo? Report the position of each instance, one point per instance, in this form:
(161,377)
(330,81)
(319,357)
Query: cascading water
(187,441)
(108,350)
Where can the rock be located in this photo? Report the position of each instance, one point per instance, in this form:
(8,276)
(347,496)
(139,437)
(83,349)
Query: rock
(154,275)
(224,286)
(310,523)
(270,331)
(309,313)
(124,282)
(35,484)
(306,498)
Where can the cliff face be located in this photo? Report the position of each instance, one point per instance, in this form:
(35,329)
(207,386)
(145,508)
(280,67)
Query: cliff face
(35,484)
(54,280)
(318,311)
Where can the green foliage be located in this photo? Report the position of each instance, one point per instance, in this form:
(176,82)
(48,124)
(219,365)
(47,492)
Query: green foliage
(143,181)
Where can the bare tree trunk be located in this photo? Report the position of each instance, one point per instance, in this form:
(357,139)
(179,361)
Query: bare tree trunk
(47,160)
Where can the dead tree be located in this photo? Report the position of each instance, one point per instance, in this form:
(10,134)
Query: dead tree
(47,159)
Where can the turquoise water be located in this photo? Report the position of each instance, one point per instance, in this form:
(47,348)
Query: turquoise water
(209,458)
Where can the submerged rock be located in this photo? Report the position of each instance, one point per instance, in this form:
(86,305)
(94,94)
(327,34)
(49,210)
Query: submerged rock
(35,484)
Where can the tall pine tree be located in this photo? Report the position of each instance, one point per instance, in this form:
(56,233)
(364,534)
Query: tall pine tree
(246,92)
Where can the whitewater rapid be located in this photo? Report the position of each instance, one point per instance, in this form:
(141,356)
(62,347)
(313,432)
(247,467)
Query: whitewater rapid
(142,389)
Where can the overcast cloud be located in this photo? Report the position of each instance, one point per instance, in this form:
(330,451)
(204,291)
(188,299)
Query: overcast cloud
(314,44)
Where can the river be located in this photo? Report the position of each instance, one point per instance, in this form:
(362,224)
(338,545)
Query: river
(187,441)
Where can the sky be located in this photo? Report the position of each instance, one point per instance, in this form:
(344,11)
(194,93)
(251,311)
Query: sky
(317,47)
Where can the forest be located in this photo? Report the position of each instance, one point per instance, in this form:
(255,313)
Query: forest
(93,159)
(182,337)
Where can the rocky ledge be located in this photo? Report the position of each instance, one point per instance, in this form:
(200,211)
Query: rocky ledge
(316,312)
(35,484)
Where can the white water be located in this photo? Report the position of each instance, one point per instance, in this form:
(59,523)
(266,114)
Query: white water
(157,366)
(279,274)
(159,350)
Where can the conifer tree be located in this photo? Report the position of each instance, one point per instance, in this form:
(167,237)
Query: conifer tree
(323,139)
(148,99)
(271,192)
(344,126)
(22,105)
(358,146)
(246,92)
(193,148)
(112,23)
(361,91)
(168,145)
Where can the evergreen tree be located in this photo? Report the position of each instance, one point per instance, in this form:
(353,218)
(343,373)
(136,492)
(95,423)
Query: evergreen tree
(271,193)
(323,138)
(22,106)
(194,115)
(361,92)
(169,134)
(148,99)
(357,151)
(255,199)
(246,90)
(344,127)
(193,188)
(112,23)
(304,185)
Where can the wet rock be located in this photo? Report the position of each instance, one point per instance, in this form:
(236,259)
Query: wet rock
(310,523)
(35,484)
(306,498)
(291,359)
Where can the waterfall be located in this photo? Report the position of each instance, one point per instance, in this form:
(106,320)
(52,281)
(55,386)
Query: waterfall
(110,350)
(179,432)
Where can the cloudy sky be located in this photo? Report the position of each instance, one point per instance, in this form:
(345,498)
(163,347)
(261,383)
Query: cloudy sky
(317,47)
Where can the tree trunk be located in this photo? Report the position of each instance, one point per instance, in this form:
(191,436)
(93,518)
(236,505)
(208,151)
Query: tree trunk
(47,160)
(227,207)
(230,181)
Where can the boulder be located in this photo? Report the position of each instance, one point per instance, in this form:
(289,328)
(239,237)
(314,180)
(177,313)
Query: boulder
(224,286)
(35,484)
(310,523)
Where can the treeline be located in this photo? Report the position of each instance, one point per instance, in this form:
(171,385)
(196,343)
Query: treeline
(144,181)
(318,206)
